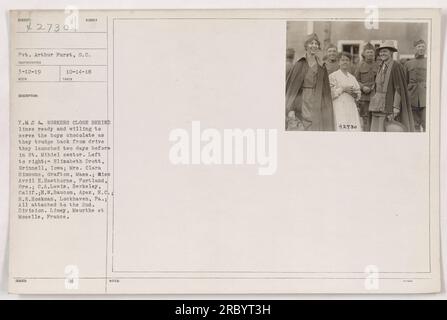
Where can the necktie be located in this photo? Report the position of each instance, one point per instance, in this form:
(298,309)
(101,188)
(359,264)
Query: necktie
(383,73)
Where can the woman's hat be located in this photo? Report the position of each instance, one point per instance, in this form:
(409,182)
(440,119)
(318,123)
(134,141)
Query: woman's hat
(387,44)
(310,38)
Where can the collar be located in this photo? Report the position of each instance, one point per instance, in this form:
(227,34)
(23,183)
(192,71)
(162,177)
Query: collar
(387,63)
(341,72)
(317,58)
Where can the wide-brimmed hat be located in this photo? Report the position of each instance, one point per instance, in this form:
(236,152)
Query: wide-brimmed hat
(387,44)
(394,126)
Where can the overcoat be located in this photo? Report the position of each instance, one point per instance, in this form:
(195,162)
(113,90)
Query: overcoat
(322,101)
(398,83)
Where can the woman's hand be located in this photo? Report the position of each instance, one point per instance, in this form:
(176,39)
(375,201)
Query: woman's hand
(349,90)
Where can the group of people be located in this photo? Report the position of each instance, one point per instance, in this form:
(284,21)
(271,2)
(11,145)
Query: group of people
(379,94)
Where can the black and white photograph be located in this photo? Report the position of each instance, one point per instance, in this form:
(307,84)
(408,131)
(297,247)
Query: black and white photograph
(148,153)
(354,76)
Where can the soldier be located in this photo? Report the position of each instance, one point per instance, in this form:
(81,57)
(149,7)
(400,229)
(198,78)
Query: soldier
(391,99)
(416,71)
(365,74)
(331,61)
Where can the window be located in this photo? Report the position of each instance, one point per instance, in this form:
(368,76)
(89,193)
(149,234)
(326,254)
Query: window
(354,47)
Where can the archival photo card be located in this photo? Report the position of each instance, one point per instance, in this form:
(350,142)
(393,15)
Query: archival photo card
(153,152)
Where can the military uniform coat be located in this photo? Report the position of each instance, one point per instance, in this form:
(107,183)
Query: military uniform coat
(416,73)
(366,75)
